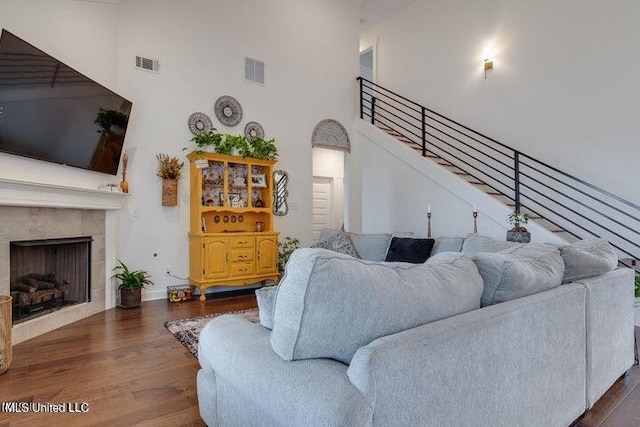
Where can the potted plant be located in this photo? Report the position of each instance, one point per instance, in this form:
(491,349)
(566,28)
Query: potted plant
(518,233)
(130,284)
(208,141)
(112,121)
(236,145)
(169,169)
(263,149)
(285,249)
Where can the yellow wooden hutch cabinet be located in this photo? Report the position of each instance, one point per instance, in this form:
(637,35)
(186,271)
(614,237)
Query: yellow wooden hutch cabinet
(232,241)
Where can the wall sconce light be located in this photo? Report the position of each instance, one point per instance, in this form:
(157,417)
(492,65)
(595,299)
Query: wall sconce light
(488,55)
(488,65)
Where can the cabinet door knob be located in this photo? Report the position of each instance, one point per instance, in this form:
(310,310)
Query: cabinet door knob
(227,257)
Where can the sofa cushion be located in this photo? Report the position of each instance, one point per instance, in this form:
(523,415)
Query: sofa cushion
(329,304)
(372,247)
(266,298)
(340,243)
(475,244)
(447,244)
(405,249)
(518,271)
(587,258)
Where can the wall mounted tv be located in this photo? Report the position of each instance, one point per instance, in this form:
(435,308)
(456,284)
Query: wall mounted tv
(51,112)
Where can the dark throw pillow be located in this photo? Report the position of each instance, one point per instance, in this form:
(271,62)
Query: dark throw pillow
(405,249)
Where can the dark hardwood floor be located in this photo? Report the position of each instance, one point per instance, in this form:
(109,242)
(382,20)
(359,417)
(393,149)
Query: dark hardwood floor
(132,371)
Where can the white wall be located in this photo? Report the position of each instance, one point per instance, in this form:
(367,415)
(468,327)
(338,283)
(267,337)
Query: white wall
(311,53)
(564,87)
(398,186)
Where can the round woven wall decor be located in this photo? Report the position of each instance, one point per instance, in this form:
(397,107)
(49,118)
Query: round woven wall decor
(253,130)
(228,110)
(199,122)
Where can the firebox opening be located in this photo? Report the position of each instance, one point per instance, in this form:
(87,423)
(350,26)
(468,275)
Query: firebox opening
(46,275)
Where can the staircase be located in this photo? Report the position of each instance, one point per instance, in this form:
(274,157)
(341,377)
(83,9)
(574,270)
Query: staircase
(565,205)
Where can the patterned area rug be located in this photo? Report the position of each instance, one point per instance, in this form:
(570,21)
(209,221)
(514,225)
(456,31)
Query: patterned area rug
(187,331)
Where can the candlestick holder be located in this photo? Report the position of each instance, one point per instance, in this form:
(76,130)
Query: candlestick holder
(475,221)
(428,224)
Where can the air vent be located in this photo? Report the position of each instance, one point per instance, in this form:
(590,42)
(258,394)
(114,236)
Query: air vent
(148,64)
(254,70)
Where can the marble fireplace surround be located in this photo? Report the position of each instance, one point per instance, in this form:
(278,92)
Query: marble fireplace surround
(33,211)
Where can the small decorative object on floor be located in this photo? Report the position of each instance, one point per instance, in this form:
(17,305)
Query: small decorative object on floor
(130,284)
(169,169)
(518,233)
(5,333)
(180,293)
(124,185)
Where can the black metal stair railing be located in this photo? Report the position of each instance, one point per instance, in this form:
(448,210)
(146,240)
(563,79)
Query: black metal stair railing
(566,203)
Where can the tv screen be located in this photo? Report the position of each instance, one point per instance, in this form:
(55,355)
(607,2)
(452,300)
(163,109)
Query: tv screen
(51,112)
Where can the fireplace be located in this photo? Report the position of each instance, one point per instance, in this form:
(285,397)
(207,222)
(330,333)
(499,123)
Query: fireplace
(48,274)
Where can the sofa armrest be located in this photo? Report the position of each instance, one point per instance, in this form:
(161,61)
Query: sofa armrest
(610,329)
(255,387)
(521,362)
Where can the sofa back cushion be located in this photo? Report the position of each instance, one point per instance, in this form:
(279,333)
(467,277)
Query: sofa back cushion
(475,244)
(587,258)
(368,246)
(329,304)
(519,271)
(447,244)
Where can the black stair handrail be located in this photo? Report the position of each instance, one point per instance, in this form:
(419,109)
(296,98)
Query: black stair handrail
(569,203)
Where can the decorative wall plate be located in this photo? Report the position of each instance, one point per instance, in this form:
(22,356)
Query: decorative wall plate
(228,110)
(253,130)
(199,122)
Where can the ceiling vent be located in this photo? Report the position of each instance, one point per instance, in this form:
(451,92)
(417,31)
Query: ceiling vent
(254,70)
(148,64)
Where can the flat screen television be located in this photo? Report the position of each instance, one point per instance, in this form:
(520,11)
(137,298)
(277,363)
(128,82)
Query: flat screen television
(51,112)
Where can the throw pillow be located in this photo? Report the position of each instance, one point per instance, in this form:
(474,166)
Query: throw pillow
(447,244)
(340,243)
(371,246)
(405,249)
(266,298)
(587,258)
(330,304)
(518,271)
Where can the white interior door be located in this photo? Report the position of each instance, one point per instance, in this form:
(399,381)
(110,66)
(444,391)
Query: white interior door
(322,209)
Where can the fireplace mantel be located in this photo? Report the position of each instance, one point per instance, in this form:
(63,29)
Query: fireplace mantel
(23,193)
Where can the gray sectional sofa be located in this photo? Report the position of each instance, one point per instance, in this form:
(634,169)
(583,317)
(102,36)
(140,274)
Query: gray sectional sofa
(484,333)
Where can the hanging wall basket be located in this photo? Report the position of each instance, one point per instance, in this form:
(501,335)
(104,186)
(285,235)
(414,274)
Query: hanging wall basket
(169,192)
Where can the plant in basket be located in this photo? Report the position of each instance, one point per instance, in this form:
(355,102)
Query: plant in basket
(130,284)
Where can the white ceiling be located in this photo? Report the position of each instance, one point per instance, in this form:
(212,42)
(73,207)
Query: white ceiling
(373,12)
